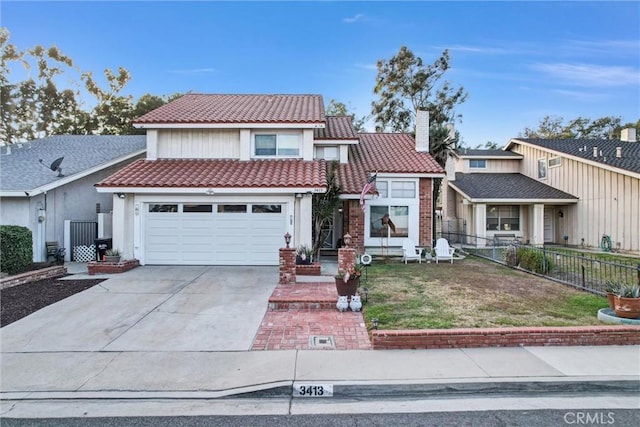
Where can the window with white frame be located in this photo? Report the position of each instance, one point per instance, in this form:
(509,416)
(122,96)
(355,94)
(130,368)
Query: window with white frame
(277,145)
(542,168)
(382,187)
(403,189)
(327,152)
(555,162)
(503,217)
(389,221)
(477,163)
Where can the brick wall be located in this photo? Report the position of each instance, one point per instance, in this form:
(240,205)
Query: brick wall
(287,265)
(346,258)
(102,267)
(505,337)
(354,224)
(33,276)
(312,269)
(426,212)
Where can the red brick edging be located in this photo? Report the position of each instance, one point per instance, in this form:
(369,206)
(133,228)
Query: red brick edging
(102,267)
(308,270)
(32,276)
(505,337)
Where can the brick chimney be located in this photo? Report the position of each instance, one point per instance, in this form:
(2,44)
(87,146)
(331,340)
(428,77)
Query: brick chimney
(628,135)
(422,130)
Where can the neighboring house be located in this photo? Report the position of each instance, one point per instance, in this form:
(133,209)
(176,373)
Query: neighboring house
(226,176)
(34,196)
(545,190)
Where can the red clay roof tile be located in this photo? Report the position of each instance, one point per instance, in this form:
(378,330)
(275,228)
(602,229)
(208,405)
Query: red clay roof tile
(338,127)
(168,173)
(383,153)
(219,108)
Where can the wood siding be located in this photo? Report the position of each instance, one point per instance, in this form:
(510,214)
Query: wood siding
(198,144)
(493,166)
(609,201)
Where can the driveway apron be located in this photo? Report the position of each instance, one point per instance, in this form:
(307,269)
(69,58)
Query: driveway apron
(153,308)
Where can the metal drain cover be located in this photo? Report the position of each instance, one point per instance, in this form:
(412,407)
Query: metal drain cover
(321,341)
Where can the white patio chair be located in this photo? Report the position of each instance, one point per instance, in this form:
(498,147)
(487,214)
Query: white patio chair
(411,251)
(444,252)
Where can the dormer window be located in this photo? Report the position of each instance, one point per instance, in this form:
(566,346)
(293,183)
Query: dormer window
(327,152)
(477,163)
(277,145)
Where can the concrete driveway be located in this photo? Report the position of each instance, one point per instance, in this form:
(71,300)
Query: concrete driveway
(153,308)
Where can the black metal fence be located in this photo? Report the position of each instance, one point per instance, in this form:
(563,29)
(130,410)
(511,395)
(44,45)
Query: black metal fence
(583,270)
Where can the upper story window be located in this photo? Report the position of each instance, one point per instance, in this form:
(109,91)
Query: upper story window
(277,145)
(403,189)
(327,152)
(555,161)
(542,168)
(477,163)
(382,187)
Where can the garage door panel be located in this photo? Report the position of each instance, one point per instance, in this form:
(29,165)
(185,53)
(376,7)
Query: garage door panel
(213,238)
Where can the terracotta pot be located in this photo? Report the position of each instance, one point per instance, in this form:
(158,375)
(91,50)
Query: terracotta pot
(629,308)
(349,288)
(611,300)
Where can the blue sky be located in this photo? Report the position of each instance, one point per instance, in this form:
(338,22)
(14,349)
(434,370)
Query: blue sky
(517,60)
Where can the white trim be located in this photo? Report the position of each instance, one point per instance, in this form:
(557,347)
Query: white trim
(314,125)
(71,178)
(211,191)
(470,199)
(336,141)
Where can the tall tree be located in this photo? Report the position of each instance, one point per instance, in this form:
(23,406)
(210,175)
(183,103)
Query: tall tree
(337,108)
(114,113)
(555,127)
(405,84)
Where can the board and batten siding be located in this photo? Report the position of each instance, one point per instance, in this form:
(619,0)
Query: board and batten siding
(198,144)
(609,201)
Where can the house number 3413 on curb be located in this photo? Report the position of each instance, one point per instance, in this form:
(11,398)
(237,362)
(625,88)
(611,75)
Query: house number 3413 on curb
(313,390)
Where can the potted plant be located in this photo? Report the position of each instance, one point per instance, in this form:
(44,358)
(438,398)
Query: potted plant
(611,288)
(303,255)
(627,301)
(112,255)
(347,280)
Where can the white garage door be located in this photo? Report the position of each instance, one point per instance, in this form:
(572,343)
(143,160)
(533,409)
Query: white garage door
(213,234)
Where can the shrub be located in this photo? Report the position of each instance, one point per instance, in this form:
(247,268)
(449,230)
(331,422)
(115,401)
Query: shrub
(534,260)
(16,248)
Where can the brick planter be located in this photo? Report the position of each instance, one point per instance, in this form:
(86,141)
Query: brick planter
(95,267)
(33,276)
(505,337)
(312,269)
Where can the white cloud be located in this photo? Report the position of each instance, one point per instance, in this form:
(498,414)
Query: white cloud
(581,96)
(608,47)
(355,18)
(480,49)
(370,67)
(590,74)
(194,71)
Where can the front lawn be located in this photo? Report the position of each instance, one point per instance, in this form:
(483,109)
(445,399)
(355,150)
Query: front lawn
(470,293)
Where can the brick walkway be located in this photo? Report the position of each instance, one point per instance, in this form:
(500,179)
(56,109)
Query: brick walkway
(298,312)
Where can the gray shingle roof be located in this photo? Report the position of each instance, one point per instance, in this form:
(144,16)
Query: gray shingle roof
(506,186)
(583,148)
(22,171)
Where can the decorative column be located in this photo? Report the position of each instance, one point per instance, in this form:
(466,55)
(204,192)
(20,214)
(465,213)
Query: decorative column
(480,223)
(538,224)
(287,263)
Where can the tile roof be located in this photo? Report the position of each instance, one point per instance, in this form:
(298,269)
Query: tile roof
(583,148)
(219,108)
(337,127)
(22,171)
(506,186)
(214,173)
(383,153)
(475,152)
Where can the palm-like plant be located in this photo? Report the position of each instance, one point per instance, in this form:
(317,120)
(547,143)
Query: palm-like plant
(324,206)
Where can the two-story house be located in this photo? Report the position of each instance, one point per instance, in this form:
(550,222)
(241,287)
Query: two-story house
(546,190)
(226,176)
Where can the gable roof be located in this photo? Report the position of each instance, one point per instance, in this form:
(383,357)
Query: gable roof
(219,173)
(337,127)
(220,108)
(21,171)
(583,149)
(384,153)
(495,187)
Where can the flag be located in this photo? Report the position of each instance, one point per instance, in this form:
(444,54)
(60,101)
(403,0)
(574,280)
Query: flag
(368,186)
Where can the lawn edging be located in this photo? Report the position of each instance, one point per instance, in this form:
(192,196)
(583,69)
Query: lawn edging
(33,276)
(103,267)
(504,337)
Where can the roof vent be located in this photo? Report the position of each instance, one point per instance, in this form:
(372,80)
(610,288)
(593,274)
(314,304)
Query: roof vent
(628,135)
(595,151)
(619,152)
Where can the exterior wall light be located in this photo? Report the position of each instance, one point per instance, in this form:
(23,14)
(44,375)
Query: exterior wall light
(121,195)
(287,239)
